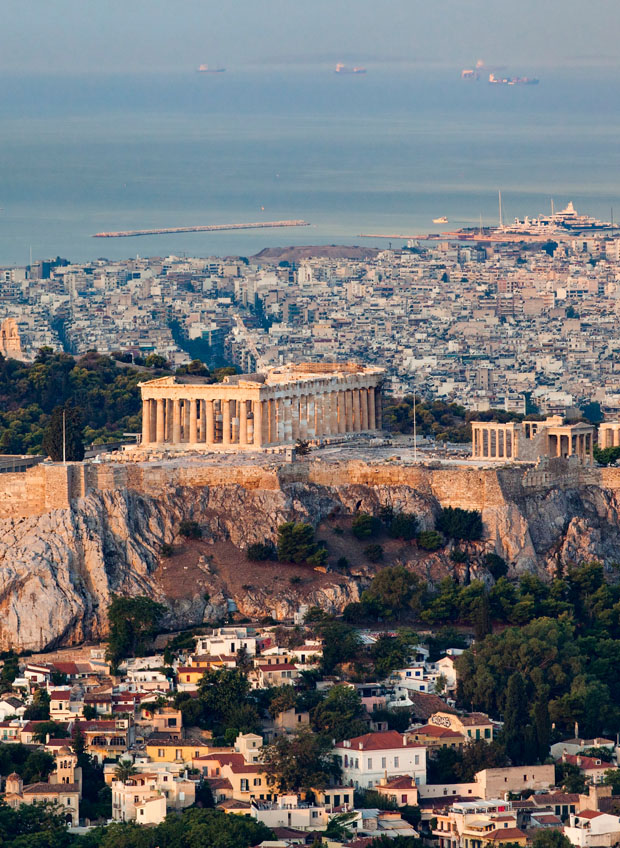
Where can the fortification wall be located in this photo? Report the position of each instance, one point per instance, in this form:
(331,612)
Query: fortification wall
(53,486)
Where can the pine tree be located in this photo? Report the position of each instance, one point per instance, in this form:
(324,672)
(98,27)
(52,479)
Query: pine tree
(516,715)
(53,439)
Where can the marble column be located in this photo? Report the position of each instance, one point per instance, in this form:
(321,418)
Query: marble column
(201,422)
(327,413)
(287,420)
(160,420)
(176,422)
(153,417)
(379,408)
(209,422)
(372,421)
(333,400)
(364,408)
(303,417)
(243,422)
(310,417)
(226,422)
(342,412)
(169,420)
(185,420)
(295,401)
(146,422)
(193,422)
(271,421)
(318,415)
(257,411)
(348,401)
(357,412)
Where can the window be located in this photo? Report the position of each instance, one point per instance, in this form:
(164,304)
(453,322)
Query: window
(487,732)
(172,722)
(395,762)
(314,814)
(417,759)
(383,762)
(257,781)
(178,754)
(369,763)
(165,778)
(244,785)
(136,799)
(160,752)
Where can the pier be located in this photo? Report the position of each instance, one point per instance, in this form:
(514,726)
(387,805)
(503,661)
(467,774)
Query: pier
(207,228)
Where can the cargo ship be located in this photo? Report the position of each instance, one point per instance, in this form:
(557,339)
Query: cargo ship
(345,69)
(440,220)
(493,80)
(206,69)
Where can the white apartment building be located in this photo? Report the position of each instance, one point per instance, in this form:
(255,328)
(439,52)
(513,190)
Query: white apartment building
(365,760)
(227,641)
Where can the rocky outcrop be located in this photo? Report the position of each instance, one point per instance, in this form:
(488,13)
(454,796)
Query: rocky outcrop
(59,569)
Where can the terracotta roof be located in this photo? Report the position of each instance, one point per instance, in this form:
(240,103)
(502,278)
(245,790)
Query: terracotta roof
(51,788)
(586,763)
(289,833)
(60,696)
(231,804)
(475,718)
(589,814)
(425,704)
(548,818)
(376,742)
(555,798)
(505,834)
(404,782)
(219,783)
(278,667)
(438,732)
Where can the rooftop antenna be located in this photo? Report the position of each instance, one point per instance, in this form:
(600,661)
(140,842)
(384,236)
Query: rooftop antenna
(501,221)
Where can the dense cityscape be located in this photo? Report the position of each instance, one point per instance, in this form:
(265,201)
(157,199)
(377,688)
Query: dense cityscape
(516,326)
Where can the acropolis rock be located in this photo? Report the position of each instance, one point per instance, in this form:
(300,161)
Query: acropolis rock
(71,537)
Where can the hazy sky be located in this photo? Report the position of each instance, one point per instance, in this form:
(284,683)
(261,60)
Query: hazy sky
(84,35)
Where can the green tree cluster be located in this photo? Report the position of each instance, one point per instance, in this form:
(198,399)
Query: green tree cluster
(296,543)
(31,765)
(564,677)
(301,761)
(133,623)
(106,395)
(447,422)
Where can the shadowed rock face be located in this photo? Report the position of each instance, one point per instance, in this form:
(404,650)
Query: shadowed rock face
(59,570)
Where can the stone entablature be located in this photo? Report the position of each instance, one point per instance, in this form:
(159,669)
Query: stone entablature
(530,440)
(257,411)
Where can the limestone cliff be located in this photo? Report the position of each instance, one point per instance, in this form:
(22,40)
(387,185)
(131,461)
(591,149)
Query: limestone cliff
(60,566)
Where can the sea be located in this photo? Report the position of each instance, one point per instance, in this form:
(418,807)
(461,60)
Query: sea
(383,152)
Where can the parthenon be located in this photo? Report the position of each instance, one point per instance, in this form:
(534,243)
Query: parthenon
(258,411)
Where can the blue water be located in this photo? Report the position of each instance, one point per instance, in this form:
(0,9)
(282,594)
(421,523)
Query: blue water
(385,152)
